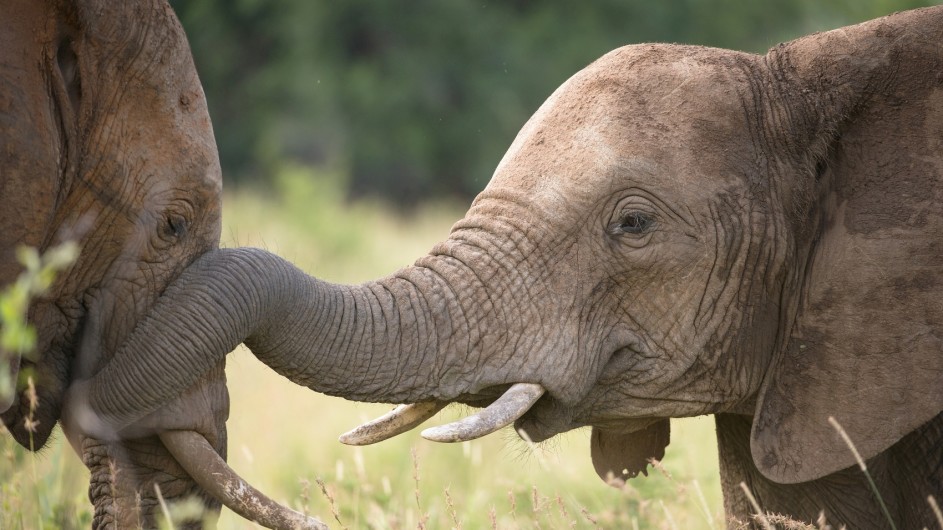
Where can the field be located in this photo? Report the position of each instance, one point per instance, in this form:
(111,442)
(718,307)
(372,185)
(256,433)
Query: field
(283,438)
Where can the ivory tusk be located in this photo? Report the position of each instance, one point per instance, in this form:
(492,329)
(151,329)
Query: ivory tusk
(399,420)
(507,408)
(213,474)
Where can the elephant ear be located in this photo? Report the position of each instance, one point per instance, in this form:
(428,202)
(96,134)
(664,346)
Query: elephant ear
(619,456)
(866,103)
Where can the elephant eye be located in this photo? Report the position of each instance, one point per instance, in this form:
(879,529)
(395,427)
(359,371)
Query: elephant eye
(634,223)
(175,227)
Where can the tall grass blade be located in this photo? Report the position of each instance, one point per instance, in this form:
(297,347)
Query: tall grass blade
(864,469)
(168,520)
(756,507)
(936,510)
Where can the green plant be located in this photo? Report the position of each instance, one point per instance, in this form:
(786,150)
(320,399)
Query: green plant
(17,337)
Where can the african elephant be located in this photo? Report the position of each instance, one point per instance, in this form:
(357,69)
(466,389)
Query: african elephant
(677,231)
(106,139)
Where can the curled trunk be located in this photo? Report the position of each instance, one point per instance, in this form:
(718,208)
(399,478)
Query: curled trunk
(393,340)
(379,342)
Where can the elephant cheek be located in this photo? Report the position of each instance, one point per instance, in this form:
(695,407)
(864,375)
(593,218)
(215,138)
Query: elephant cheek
(619,456)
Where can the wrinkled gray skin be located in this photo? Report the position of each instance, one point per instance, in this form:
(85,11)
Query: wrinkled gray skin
(677,231)
(106,139)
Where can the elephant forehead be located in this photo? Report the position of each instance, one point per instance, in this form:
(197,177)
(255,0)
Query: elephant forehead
(672,110)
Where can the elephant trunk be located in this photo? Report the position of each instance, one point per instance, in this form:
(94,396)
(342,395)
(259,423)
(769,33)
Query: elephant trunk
(382,341)
(393,340)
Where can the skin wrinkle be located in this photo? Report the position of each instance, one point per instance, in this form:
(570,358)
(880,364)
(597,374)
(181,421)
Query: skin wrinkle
(471,341)
(60,100)
(309,314)
(370,303)
(699,315)
(403,342)
(517,283)
(733,235)
(480,321)
(459,331)
(489,298)
(418,307)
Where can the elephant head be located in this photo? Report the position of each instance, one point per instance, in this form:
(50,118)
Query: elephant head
(106,140)
(677,231)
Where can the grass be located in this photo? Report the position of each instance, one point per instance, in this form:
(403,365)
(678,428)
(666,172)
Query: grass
(283,438)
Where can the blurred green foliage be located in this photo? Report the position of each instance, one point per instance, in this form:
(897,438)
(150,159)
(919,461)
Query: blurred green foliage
(17,336)
(421,98)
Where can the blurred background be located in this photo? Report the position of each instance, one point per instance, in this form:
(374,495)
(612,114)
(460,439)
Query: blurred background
(352,135)
(418,100)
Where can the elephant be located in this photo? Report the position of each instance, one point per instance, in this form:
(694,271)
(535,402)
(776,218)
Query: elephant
(677,231)
(107,141)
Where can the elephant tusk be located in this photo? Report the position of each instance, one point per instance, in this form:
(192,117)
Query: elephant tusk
(507,408)
(213,474)
(399,420)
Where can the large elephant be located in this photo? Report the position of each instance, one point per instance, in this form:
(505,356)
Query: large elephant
(106,139)
(677,231)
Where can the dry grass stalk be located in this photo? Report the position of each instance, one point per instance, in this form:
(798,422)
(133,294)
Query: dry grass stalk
(936,510)
(163,506)
(661,469)
(703,504)
(563,512)
(668,517)
(305,495)
(331,502)
(450,507)
(864,469)
(589,517)
(787,523)
(758,515)
(535,501)
(423,517)
(493,518)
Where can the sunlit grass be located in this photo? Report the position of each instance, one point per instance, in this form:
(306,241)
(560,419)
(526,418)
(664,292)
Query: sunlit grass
(283,437)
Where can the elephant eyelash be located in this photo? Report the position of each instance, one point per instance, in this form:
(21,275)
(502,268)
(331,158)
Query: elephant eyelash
(175,227)
(632,223)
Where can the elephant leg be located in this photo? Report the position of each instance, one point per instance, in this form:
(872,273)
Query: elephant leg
(124,480)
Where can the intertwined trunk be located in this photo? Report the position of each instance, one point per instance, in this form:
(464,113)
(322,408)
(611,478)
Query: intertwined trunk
(386,341)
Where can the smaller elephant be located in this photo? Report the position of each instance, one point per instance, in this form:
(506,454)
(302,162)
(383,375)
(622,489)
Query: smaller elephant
(106,140)
(677,231)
